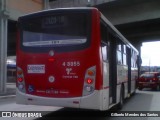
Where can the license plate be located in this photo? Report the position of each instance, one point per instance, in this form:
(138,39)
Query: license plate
(36,69)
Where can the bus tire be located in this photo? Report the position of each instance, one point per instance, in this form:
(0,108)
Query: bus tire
(121,102)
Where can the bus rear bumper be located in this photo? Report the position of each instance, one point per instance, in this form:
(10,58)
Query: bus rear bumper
(87,102)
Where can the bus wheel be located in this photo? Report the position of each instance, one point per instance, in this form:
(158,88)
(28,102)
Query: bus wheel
(121,102)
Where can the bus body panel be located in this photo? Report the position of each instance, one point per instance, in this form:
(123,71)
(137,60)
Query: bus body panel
(123,77)
(105,94)
(68,73)
(134,76)
(75,102)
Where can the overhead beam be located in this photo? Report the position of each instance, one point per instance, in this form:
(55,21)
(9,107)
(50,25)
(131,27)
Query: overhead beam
(124,11)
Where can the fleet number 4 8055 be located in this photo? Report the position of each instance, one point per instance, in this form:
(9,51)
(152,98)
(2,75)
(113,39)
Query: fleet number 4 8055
(71,63)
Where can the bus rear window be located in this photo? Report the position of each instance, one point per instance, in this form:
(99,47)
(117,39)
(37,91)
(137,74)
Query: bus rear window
(56,31)
(43,39)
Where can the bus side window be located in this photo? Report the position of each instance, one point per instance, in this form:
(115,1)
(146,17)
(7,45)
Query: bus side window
(124,55)
(133,59)
(104,52)
(119,54)
(104,41)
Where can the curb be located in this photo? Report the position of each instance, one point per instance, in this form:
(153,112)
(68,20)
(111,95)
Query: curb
(7,96)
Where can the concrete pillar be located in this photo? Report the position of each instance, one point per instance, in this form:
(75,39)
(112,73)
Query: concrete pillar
(138,45)
(46,4)
(3,45)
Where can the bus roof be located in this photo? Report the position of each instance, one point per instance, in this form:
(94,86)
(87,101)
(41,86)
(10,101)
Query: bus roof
(60,9)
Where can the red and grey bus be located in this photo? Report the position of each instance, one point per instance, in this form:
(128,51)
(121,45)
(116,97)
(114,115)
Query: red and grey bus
(73,57)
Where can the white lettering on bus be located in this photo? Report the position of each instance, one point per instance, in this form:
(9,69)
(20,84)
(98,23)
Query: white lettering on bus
(71,63)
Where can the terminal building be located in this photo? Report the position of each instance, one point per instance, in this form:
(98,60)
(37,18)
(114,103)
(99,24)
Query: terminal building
(10,10)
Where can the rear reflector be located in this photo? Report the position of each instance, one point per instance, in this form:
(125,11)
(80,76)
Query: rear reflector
(76,102)
(30,99)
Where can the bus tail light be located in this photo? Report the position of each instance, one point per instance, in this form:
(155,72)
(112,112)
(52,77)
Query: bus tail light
(90,72)
(89,81)
(19,72)
(20,80)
